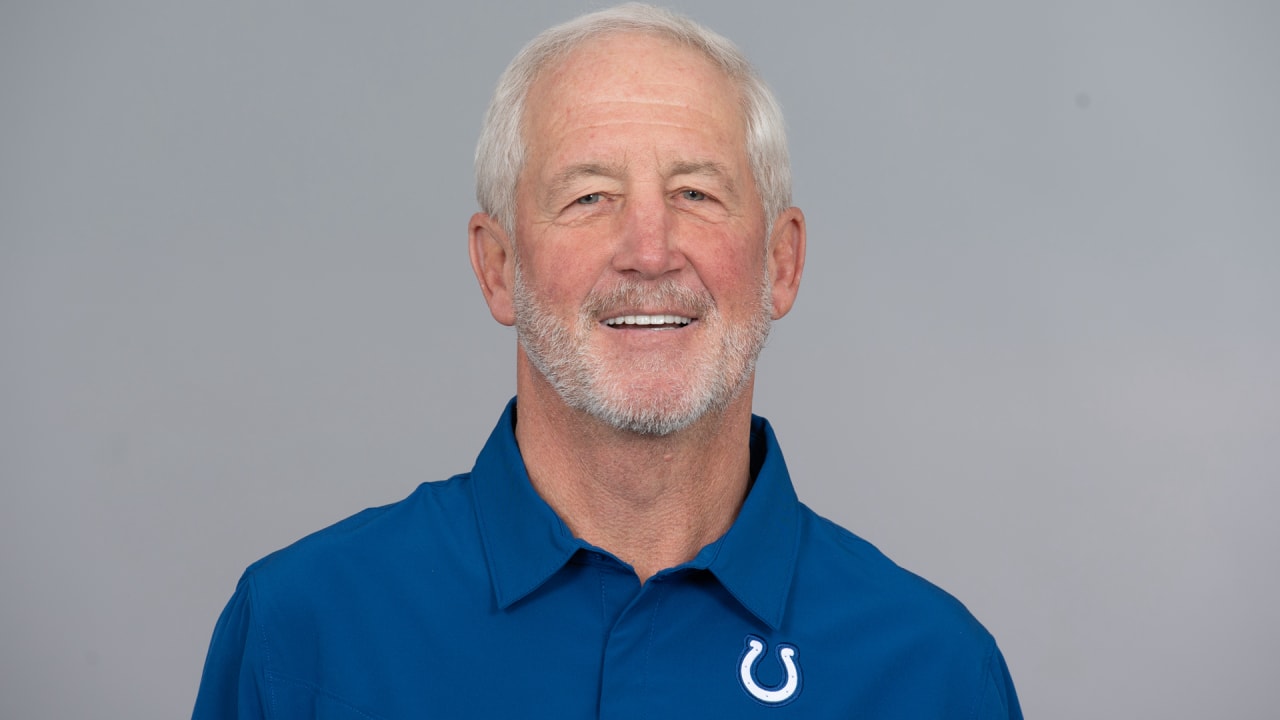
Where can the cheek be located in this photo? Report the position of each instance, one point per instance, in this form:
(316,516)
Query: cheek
(557,282)
(567,265)
(733,276)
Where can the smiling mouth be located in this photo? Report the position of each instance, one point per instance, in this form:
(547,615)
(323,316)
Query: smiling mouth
(651,321)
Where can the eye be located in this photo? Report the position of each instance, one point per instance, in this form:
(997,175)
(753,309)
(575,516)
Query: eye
(694,195)
(590,199)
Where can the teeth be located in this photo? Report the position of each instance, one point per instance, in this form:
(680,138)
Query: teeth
(648,320)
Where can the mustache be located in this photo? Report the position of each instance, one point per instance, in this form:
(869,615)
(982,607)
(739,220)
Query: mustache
(666,295)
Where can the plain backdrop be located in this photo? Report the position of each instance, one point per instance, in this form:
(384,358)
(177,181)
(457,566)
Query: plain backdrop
(1034,358)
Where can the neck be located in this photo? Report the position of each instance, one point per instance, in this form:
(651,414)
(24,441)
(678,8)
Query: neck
(653,501)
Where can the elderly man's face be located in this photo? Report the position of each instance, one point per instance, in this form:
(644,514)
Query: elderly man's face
(642,284)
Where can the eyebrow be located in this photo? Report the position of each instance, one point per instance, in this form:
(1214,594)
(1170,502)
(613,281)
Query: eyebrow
(563,180)
(705,168)
(697,167)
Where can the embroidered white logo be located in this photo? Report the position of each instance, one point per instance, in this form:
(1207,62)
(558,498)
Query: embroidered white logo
(779,694)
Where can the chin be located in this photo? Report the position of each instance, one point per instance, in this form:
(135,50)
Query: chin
(656,422)
(656,411)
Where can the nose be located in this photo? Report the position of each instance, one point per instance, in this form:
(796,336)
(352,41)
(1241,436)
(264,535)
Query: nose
(647,243)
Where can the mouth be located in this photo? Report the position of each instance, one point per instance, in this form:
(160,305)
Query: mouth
(658,322)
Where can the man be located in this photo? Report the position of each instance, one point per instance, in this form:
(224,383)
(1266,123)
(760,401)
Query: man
(628,544)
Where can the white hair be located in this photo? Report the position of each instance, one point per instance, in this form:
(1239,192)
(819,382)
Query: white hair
(500,153)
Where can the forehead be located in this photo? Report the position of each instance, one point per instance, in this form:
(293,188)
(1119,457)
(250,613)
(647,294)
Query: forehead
(631,81)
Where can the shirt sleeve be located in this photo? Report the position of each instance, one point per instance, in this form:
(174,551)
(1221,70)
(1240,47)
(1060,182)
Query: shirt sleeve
(232,686)
(999,699)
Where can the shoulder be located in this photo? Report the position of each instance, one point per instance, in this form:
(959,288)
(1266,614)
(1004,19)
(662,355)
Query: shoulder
(941,660)
(338,598)
(839,569)
(370,540)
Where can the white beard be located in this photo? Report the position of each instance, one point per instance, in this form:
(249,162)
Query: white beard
(643,394)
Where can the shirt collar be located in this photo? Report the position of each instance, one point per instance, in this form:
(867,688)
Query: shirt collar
(526,542)
(756,559)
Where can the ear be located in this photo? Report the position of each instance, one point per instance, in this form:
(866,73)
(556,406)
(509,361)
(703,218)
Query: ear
(786,259)
(493,260)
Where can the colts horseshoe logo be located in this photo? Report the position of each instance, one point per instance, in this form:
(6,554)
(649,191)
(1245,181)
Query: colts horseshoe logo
(779,694)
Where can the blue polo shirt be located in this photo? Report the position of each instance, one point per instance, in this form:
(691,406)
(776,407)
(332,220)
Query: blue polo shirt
(471,599)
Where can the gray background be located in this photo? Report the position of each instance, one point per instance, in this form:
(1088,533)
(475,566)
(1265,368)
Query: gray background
(1034,357)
